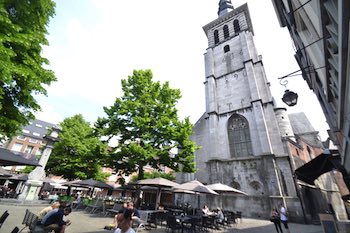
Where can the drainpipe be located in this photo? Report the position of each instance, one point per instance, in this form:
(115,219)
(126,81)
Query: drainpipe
(278,180)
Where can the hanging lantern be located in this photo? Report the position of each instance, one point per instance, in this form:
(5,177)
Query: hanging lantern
(290,98)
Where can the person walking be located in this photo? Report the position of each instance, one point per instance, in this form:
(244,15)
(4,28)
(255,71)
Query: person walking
(275,218)
(284,218)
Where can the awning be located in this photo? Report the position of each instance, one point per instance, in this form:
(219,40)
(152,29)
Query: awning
(325,162)
(9,158)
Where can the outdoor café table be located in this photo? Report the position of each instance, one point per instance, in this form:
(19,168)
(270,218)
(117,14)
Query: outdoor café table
(176,211)
(188,221)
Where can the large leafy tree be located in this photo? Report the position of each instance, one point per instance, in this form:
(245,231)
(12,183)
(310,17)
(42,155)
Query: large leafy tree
(79,154)
(22,75)
(147,127)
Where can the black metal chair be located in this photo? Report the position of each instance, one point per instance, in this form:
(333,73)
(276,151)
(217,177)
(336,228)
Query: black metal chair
(172,224)
(3,217)
(239,216)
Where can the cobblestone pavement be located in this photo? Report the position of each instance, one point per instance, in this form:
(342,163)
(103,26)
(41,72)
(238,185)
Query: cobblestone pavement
(83,222)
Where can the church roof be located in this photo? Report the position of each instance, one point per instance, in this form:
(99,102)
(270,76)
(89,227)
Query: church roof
(300,123)
(224,7)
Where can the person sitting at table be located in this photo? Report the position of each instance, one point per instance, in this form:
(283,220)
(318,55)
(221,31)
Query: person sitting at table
(205,210)
(47,209)
(161,207)
(219,218)
(56,223)
(136,217)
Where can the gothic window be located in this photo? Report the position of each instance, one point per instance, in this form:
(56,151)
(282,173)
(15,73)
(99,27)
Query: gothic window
(226,48)
(239,136)
(216,36)
(236,185)
(255,185)
(236,26)
(226,32)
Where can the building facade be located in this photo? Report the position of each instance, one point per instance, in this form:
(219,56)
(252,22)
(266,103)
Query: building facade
(242,135)
(320,33)
(31,142)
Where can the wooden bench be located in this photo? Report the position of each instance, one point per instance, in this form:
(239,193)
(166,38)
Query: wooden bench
(30,220)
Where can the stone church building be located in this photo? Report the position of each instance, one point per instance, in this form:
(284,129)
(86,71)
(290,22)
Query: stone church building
(243,137)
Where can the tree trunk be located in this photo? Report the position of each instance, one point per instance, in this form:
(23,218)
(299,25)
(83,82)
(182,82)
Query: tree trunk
(138,189)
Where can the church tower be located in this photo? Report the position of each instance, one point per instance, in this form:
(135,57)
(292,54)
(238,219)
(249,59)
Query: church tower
(239,135)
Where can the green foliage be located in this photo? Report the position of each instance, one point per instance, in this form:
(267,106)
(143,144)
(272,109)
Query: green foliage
(27,169)
(146,124)
(79,154)
(22,35)
(155,174)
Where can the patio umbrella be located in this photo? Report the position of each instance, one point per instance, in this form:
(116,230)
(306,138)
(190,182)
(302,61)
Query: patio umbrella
(157,182)
(4,173)
(92,183)
(223,188)
(9,158)
(196,187)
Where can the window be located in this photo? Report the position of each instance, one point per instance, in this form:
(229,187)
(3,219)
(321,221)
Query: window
(25,131)
(226,48)
(22,138)
(39,151)
(239,136)
(32,140)
(236,26)
(235,185)
(226,32)
(36,134)
(17,147)
(28,149)
(38,125)
(216,36)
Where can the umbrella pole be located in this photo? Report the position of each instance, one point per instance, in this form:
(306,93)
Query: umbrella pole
(159,193)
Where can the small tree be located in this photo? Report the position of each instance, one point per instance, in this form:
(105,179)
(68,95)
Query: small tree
(22,35)
(79,154)
(146,124)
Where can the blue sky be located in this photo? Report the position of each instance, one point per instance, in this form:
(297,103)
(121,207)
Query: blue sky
(96,43)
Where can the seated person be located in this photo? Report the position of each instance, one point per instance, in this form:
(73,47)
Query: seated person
(220,218)
(206,211)
(55,221)
(161,208)
(135,213)
(47,209)
(77,201)
(124,222)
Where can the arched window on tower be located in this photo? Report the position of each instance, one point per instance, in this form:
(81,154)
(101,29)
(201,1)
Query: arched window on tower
(216,36)
(226,48)
(226,32)
(239,136)
(236,26)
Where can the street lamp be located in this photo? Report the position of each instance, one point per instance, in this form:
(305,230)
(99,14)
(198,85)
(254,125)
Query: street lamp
(290,98)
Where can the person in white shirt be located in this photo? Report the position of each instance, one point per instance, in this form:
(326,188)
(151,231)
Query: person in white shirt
(283,217)
(124,222)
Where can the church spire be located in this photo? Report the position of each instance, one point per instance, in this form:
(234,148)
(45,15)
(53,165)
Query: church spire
(225,6)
